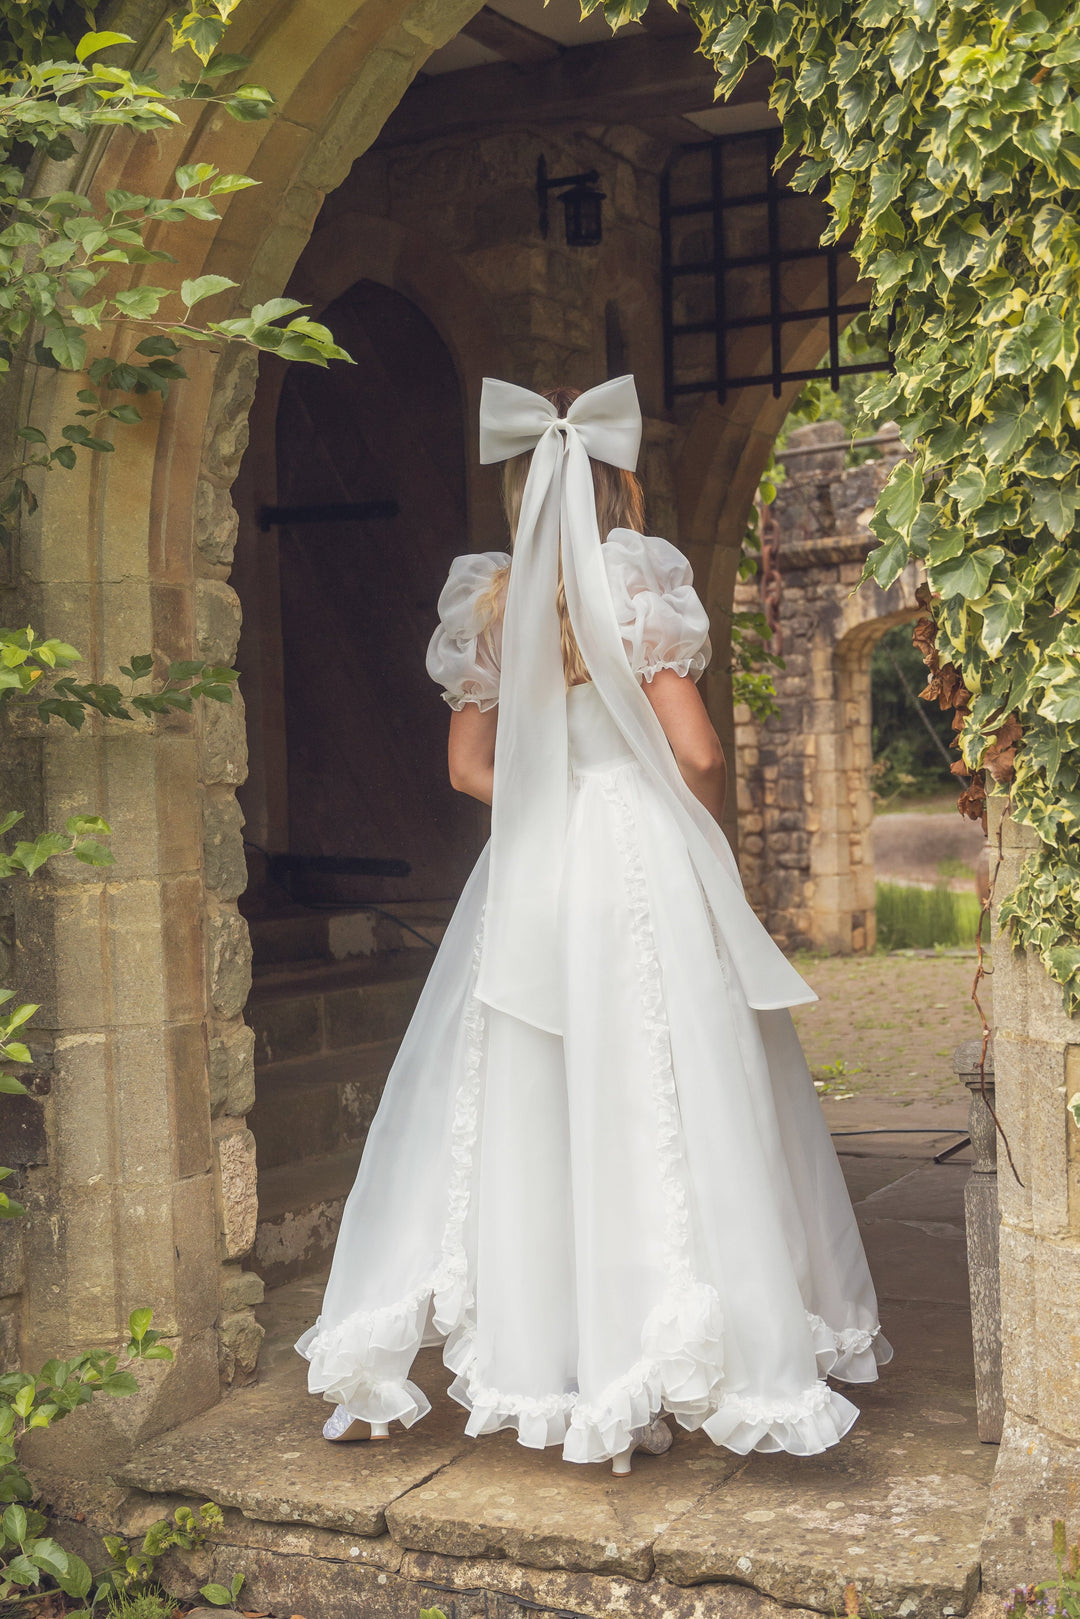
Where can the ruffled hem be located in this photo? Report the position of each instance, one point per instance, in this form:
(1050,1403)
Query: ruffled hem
(695,665)
(344,1365)
(850,1355)
(680,1372)
(804,1426)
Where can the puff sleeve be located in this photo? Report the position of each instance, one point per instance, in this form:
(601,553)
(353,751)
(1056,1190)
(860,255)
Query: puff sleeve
(663,624)
(463,654)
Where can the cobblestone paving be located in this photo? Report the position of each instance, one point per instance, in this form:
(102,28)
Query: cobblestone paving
(885,1027)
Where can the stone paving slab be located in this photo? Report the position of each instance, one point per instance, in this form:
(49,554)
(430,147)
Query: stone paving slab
(898,1507)
(453,1584)
(532,1507)
(262,1450)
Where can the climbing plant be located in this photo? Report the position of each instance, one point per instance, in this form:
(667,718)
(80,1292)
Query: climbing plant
(63,254)
(946,134)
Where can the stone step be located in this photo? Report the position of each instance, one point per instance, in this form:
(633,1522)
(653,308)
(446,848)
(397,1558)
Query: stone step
(308,1009)
(316,1105)
(301,933)
(300,1208)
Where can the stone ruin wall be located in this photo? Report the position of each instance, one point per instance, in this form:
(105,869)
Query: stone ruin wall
(803,776)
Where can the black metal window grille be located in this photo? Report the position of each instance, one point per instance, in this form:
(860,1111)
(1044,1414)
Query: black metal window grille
(682,218)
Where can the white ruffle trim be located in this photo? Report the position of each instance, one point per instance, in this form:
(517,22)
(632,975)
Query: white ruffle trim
(695,665)
(680,1371)
(803,1426)
(457,700)
(356,1364)
(852,1354)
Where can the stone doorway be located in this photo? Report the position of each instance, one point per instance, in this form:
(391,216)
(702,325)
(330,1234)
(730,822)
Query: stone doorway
(365,732)
(353,501)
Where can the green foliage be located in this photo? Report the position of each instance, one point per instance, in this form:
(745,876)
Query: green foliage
(127,1583)
(222,1596)
(36,1400)
(1051,1599)
(818,401)
(31,30)
(28,668)
(948,132)
(904,727)
(59,254)
(149,1604)
(920,918)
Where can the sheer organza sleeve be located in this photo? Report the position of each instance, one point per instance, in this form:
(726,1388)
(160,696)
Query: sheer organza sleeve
(663,624)
(463,654)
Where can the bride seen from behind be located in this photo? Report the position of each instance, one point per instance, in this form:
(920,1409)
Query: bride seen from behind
(599,1176)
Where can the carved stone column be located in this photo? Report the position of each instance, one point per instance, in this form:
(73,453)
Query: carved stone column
(983,1220)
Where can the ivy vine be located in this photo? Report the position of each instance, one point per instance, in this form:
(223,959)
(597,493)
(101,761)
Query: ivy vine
(948,135)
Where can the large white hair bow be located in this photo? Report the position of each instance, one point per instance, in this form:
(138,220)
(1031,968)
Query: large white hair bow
(520,969)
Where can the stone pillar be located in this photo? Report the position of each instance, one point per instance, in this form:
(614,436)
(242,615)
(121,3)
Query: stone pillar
(982,1218)
(1037,1061)
(122,1213)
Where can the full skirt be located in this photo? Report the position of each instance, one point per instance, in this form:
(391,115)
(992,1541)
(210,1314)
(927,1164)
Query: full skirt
(643,1214)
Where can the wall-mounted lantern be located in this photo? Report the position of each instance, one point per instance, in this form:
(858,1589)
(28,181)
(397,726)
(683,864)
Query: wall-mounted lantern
(582,204)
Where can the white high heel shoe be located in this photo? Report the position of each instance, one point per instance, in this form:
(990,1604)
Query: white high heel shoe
(340,1425)
(653,1440)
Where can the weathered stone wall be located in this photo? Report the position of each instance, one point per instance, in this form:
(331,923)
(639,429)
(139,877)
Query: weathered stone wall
(141,1186)
(803,776)
(474,201)
(1037,1070)
(222,767)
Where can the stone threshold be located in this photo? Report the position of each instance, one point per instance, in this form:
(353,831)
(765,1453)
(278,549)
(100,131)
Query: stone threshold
(488,1528)
(435,1519)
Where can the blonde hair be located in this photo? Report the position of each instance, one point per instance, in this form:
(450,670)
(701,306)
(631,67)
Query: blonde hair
(620,503)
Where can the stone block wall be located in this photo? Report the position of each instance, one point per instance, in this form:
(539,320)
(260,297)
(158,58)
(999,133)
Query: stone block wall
(222,768)
(473,199)
(803,776)
(1037,1063)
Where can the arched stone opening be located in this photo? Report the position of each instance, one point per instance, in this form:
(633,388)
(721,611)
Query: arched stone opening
(148,1195)
(449,221)
(160,537)
(339,955)
(804,775)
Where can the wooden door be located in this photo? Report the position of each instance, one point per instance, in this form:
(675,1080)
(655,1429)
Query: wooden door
(366,727)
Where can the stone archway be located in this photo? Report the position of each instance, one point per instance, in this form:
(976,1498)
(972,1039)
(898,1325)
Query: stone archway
(148,1194)
(355,246)
(804,781)
(160,532)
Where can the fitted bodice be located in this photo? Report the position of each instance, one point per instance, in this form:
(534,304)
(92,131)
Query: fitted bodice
(595,741)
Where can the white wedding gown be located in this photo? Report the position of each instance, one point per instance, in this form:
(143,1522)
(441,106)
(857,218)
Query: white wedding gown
(643,1214)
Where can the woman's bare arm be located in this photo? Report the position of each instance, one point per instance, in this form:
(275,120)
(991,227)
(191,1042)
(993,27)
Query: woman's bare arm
(677,704)
(471,752)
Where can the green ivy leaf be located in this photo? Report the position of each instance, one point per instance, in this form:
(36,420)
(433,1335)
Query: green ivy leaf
(1056,505)
(1002,610)
(966,575)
